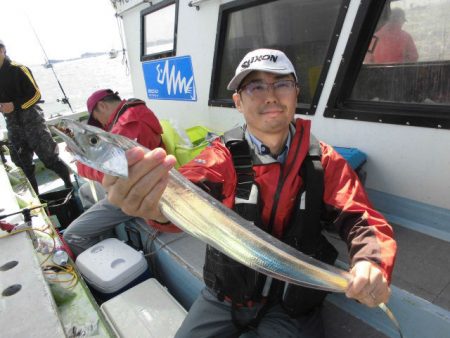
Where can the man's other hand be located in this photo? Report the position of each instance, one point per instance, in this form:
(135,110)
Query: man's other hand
(369,286)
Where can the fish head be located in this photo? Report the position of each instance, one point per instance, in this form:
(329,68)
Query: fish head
(93,147)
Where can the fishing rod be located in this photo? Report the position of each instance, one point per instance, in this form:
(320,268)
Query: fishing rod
(26,212)
(65,99)
(124,55)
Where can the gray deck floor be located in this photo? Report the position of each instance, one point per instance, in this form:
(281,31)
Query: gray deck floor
(422,266)
(341,324)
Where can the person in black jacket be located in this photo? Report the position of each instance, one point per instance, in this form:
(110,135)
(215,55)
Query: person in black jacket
(27,131)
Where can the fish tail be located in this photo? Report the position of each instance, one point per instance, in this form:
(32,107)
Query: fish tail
(391,316)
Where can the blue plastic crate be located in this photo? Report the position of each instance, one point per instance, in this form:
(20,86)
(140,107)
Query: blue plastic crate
(355,157)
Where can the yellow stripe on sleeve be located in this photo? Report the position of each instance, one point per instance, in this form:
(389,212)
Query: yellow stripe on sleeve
(37,95)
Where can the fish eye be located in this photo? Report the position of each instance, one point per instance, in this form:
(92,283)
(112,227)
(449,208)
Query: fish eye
(93,140)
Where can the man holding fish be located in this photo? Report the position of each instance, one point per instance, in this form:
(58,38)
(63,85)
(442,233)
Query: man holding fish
(274,173)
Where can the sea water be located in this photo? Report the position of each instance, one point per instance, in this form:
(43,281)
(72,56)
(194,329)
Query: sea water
(79,78)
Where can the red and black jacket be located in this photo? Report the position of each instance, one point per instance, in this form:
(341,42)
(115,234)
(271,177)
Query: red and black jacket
(345,208)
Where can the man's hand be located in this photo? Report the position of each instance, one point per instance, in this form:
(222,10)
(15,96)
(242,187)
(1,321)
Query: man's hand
(139,194)
(6,107)
(369,286)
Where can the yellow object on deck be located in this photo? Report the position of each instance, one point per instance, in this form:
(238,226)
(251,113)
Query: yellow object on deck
(176,146)
(197,135)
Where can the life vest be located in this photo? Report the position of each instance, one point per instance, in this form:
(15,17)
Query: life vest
(241,285)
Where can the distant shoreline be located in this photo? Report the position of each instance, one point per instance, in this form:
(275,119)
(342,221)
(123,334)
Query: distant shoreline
(82,56)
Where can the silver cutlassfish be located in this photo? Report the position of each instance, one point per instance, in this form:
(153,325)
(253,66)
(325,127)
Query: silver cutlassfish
(199,214)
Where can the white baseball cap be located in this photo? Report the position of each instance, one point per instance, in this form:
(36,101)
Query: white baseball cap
(1,43)
(265,60)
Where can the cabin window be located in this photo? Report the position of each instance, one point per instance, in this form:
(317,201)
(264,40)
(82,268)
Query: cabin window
(404,75)
(303,29)
(158,24)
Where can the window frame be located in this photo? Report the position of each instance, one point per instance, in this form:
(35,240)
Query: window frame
(340,106)
(152,9)
(224,11)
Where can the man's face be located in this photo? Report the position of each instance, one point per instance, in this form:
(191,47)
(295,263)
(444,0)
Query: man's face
(267,110)
(102,112)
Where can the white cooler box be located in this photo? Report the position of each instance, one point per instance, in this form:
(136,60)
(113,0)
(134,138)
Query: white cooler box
(146,310)
(110,265)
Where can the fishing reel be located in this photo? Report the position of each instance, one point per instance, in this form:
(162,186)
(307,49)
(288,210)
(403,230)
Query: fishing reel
(64,100)
(26,212)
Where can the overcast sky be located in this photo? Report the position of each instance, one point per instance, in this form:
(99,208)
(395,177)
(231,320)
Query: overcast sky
(66,28)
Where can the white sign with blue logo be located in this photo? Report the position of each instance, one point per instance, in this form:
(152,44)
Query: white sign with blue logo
(170,79)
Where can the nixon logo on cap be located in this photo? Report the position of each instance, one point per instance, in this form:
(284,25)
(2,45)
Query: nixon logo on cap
(264,60)
(257,58)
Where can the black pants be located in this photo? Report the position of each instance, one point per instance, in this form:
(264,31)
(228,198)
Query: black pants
(208,317)
(28,134)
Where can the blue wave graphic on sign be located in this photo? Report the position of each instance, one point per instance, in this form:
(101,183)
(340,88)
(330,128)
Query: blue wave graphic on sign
(170,79)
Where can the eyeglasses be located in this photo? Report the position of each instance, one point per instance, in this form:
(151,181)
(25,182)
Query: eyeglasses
(258,89)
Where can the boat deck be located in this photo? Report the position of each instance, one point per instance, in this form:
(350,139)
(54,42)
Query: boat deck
(61,304)
(423,266)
